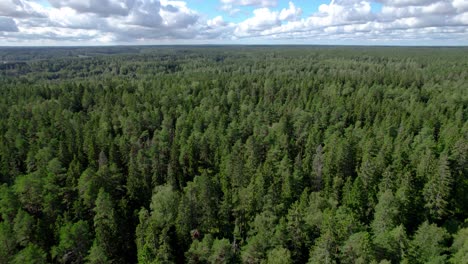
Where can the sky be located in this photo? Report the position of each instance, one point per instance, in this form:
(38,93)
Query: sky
(167,22)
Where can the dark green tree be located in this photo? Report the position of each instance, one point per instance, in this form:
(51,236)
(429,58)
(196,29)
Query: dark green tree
(74,243)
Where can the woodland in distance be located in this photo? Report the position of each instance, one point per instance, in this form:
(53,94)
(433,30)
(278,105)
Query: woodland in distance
(234,154)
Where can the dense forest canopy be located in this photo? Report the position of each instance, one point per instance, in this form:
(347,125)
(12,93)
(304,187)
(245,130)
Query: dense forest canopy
(281,154)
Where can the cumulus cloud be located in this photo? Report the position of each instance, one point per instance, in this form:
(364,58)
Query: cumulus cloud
(216,22)
(437,8)
(406,2)
(291,13)
(265,19)
(101,7)
(262,3)
(354,20)
(179,15)
(20,9)
(102,21)
(342,13)
(69,18)
(146,14)
(7,25)
(460,5)
(461,19)
(151,21)
(232,7)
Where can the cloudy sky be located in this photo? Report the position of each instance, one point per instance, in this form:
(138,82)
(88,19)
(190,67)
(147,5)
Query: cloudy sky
(110,22)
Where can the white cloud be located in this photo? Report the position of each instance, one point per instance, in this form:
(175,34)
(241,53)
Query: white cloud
(104,21)
(145,14)
(265,19)
(20,9)
(437,8)
(460,5)
(354,20)
(291,13)
(262,3)
(231,7)
(7,25)
(66,17)
(179,15)
(461,19)
(406,2)
(338,13)
(216,22)
(150,21)
(101,7)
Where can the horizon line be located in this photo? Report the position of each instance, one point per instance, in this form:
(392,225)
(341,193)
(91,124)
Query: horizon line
(233,45)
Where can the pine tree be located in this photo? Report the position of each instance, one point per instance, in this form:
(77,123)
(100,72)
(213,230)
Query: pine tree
(429,244)
(105,225)
(460,247)
(74,243)
(437,190)
(8,242)
(357,249)
(30,254)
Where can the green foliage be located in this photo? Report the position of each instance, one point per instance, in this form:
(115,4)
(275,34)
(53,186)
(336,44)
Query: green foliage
(97,255)
(279,255)
(9,203)
(324,250)
(164,205)
(29,189)
(392,245)
(460,247)
(222,252)
(198,207)
(438,188)
(87,187)
(265,234)
(105,226)
(386,214)
(155,230)
(429,244)
(74,243)
(233,154)
(200,251)
(30,254)
(209,250)
(357,249)
(8,242)
(24,227)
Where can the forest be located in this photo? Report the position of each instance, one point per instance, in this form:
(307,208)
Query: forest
(234,154)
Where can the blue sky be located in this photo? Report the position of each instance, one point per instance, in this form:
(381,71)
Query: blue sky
(211,8)
(143,22)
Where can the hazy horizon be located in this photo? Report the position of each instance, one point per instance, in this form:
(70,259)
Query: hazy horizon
(235,45)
